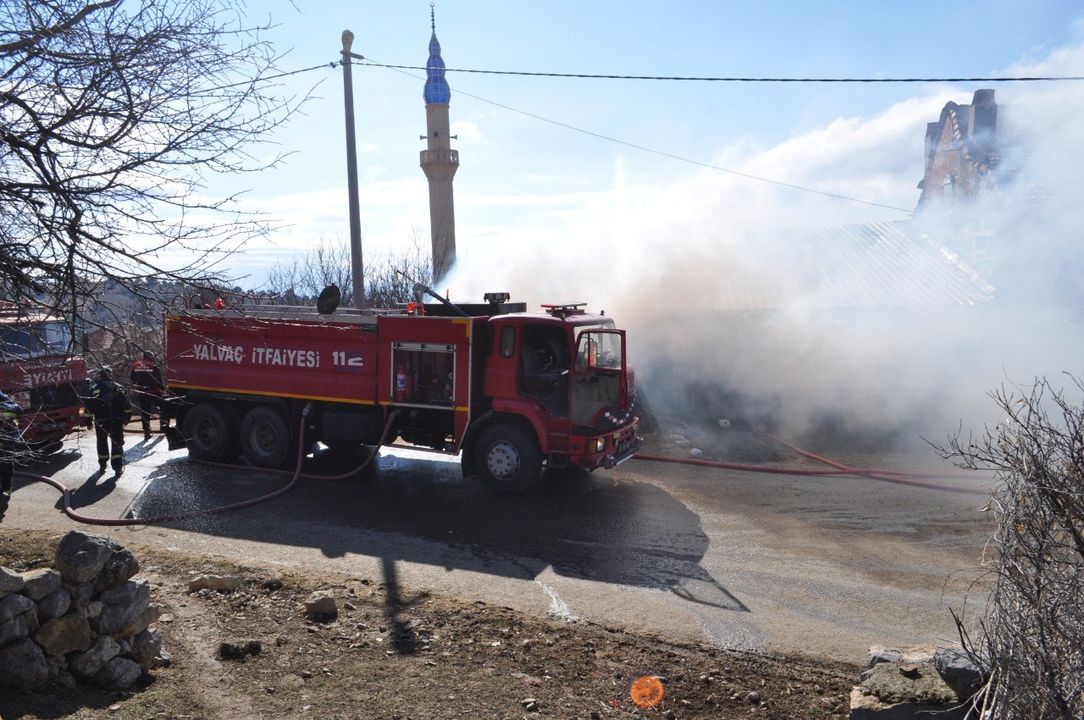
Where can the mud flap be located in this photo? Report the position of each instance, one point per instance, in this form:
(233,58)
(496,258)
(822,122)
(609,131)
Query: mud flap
(175,438)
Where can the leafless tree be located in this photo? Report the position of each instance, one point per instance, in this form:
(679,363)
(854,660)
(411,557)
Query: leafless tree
(1031,642)
(389,279)
(114,115)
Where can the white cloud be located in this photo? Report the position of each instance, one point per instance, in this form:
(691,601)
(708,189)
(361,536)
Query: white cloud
(469,132)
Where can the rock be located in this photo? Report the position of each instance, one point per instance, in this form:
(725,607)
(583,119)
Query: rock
(870,707)
(321,606)
(232,650)
(163,660)
(81,593)
(80,557)
(14,605)
(146,646)
(217,583)
(63,635)
(124,607)
(893,687)
(87,664)
(93,609)
(881,654)
(55,666)
(145,619)
(696,452)
(910,670)
(10,581)
(58,672)
(118,673)
(958,672)
(529,704)
(120,566)
(39,583)
(22,665)
(16,629)
(753,698)
(54,605)
(66,679)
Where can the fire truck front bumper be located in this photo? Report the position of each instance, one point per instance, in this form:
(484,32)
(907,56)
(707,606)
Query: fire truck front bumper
(612,448)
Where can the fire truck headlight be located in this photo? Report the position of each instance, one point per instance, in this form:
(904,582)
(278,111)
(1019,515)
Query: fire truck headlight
(599,444)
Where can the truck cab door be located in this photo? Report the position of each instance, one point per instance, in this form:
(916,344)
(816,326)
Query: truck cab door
(599,383)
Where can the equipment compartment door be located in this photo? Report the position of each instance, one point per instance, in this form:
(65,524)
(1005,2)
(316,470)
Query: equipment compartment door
(423,374)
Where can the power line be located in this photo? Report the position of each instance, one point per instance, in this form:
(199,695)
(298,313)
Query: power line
(736,79)
(644,148)
(328,65)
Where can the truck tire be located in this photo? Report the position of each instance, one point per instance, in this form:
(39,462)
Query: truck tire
(507,458)
(207,432)
(265,438)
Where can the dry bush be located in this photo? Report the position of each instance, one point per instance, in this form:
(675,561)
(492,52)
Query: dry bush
(1031,642)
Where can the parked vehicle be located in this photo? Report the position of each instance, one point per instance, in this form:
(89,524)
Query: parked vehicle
(514,392)
(42,368)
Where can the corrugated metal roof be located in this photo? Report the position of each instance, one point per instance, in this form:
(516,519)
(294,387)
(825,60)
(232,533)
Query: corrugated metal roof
(873,265)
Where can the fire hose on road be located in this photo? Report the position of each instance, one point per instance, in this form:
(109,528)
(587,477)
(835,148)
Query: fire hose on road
(837,469)
(882,475)
(295,474)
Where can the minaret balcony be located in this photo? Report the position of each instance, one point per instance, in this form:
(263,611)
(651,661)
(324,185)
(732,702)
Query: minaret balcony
(440,157)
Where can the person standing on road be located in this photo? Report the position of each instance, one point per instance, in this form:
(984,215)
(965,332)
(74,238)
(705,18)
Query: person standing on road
(108,403)
(9,442)
(149,388)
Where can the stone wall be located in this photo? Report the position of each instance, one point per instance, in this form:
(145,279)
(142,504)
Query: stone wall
(84,619)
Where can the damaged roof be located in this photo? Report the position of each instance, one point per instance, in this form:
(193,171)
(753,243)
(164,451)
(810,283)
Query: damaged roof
(874,265)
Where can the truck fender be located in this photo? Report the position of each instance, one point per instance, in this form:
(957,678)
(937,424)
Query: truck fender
(514,412)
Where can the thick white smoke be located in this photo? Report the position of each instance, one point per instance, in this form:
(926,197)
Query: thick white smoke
(706,284)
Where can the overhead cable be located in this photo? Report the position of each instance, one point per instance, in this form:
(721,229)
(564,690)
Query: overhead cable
(662,153)
(739,79)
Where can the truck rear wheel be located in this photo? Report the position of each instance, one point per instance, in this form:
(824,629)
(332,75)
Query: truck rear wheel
(265,438)
(507,458)
(207,432)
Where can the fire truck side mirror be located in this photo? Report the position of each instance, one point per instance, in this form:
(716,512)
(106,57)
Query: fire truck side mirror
(329,300)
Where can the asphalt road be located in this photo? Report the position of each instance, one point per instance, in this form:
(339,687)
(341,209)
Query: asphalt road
(821,566)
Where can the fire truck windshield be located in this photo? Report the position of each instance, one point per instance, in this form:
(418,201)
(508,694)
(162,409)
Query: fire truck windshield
(35,339)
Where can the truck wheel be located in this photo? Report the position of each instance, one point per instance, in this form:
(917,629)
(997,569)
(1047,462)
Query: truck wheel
(265,439)
(207,433)
(507,458)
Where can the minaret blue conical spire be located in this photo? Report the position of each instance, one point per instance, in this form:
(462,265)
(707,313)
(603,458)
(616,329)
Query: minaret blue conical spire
(436,86)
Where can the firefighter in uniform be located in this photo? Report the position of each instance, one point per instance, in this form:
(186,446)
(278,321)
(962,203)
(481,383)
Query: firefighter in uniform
(9,445)
(149,388)
(108,403)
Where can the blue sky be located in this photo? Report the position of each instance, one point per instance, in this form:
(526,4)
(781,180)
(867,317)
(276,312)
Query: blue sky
(520,177)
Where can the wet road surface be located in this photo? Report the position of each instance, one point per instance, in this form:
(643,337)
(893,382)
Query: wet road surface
(821,566)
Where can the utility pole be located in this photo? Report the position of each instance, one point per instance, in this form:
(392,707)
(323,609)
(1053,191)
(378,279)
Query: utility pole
(357,267)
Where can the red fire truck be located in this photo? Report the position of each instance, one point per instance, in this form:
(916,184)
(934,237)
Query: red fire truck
(515,392)
(42,370)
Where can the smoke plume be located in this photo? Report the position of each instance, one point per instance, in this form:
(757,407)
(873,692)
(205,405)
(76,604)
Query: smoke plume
(711,275)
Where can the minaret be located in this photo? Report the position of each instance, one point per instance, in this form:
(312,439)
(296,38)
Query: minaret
(439,161)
